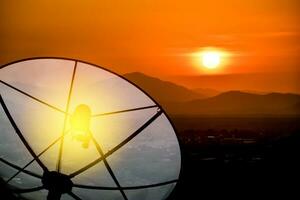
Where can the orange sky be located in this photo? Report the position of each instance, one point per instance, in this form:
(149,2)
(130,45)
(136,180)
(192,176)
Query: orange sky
(153,36)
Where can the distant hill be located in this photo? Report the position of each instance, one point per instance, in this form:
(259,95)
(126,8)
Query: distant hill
(163,91)
(207,92)
(283,81)
(179,100)
(240,103)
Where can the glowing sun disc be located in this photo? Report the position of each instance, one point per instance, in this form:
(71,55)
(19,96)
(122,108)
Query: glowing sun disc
(211,60)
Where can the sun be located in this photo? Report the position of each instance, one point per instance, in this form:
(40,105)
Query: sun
(211,59)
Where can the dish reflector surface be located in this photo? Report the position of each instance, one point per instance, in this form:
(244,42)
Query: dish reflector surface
(128,148)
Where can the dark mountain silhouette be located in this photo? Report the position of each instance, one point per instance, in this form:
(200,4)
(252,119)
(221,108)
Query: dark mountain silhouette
(163,91)
(240,103)
(283,81)
(182,101)
(207,92)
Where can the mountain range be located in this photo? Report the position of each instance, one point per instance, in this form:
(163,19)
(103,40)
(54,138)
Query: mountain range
(163,91)
(179,100)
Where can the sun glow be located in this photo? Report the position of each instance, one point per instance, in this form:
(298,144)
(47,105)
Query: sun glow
(80,125)
(211,59)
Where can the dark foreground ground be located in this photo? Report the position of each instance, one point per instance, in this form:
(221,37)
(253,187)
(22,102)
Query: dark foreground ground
(237,158)
(240,158)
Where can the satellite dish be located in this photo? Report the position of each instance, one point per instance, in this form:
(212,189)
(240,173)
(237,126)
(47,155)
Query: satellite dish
(73,130)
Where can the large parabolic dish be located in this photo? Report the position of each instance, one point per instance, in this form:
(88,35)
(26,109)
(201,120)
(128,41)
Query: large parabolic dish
(73,130)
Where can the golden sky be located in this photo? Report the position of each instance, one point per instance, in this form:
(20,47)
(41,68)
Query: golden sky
(156,37)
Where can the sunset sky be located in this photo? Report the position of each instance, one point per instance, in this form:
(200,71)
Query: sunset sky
(163,38)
